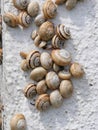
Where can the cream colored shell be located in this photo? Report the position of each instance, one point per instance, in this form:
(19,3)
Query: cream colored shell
(40,19)
(24,66)
(64,74)
(34,34)
(70,4)
(56,67)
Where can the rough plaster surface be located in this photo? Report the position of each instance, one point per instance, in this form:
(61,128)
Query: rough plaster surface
(80,112)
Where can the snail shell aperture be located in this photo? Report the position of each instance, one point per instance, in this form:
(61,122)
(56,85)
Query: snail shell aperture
(64,74)
(40,19)
(18,122)
(70,4)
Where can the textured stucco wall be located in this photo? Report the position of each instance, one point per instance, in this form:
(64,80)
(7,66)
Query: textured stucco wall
(81,110)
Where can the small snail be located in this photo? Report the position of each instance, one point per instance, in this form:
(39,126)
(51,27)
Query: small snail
(46,60)
(24,66)
(59,2)
(64,74)
(41,87)
(37,40)
(30,91)
(38,73)
(56,99)
(33,8)
(70,4)
(18,122)
(52,80)
(66,88)
(43,102)
(34,34)
(39,20)
(56,67)
(61,57)
(42,44)
(76,70)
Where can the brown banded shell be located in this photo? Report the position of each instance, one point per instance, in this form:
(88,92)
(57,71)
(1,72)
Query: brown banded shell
(18,122)
(66,88)
(10,19)
(70,4)
(33,8)
(46,31)
(38,73)
(46,60)
(41,87)
(24,19)
(64,75)
(40,19)
(49,9)
(34,34)
(62,32)
(56,99)
(30,90)
(21,4)
(76,70)
(43,102)
(56,67)
(24,66)
(61,57)
(59,2)
(52,80)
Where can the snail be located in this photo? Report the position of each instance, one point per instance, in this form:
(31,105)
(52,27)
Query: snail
(61,57)
(34,34)
(37,40)
(64,75)
(18,122)
(49,9)
(40,19)
(46,60)
(10,19)
(56,99)
(76,70)
(52,80)
(66,88)
(30,91)
(42,44)
(38,73)
(62,32)
(24,66)
(56,67)
(33,8)
(21,4)
(41,87)
(43,102)
(70,4)
(59,2)
(24,19)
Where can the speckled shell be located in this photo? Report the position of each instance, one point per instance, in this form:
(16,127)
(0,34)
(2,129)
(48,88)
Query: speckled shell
(52,80)
(38,73)
(56,67)
(76,70)
(33,59)
(40,19)
(61,57)
(18,122)
(24,19)
(46,60)
(33,8)
(64,74)
(56,99)
(41,87)
(59,2)
(43,102)
(24,66)
(30,91)
(21,4)
(34,34)
(62,32)
(49,9)
(66,88)
(46,31)
(10,19)
(70,4)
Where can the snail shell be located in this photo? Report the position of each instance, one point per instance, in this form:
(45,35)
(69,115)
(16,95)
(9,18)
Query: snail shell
(33,8)
(76,70)
(61,57)
(24,19)
(21,4)
(62,32)
(52,80)
(41,87)
(43,102)
(10,19)
(46,60)
(66,88)
(24,66)
(56,67)
(38,73)
(49,9)
(56,99)
(30,90)
(23,55)
(37,40)
(42,44)
(18,122)
(40,19)
(46,31)
(70,4)
(34,34)
(59,2)
(64,74)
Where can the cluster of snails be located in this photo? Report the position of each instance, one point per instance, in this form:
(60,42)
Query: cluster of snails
(52,79)
(1,40)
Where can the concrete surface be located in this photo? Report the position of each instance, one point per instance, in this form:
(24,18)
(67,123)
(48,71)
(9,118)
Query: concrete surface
(80,112)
